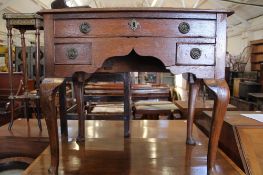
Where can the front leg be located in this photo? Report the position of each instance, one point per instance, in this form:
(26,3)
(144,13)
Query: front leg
(193,89)
(221,91)
(48,90)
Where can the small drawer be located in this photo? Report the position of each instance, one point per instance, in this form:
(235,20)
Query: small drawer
(68,53)
(195,54)
(135,27)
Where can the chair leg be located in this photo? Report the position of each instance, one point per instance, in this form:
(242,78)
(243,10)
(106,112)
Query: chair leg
(127,103)
(26,113)
(12,113)
(63,111)
(38,114)
(79,79)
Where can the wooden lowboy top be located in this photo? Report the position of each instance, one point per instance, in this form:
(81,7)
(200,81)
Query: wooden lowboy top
(143,9)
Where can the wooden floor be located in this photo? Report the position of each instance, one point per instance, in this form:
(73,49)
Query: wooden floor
(155,147)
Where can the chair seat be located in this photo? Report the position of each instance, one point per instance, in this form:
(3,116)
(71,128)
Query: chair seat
(108,108)
(155,105)
(31,96)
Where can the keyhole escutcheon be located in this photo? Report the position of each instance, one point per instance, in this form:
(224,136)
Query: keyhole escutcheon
(134,24)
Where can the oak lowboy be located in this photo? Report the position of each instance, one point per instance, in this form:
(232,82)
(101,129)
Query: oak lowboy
(81,41)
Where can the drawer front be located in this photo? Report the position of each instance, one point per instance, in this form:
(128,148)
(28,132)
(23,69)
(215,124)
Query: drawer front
(195,54)
(135,27)
(68,53)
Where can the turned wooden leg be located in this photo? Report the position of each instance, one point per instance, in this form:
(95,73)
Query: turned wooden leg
(37,68)
(78,83)
(127,103)
(48,90)
(25,73)
(221,91)
(10,75)
(193,91)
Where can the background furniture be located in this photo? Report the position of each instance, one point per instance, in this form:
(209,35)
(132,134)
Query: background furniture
(5,110)
(229,141)
(248,87)
(104,95)
(236,77)
(207,105)
(81,41)
(24,22)
(258,98)
(256,54)
(31,61)
(153,109)
(243,105)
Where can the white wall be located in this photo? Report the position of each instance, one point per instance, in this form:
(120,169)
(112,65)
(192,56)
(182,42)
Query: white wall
(240,36)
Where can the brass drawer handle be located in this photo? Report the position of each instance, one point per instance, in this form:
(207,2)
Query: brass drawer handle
(134,24)
(72,53)
(195,53)
(184,27)
(85,28)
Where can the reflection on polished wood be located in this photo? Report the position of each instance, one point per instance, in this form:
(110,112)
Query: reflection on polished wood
(155,147)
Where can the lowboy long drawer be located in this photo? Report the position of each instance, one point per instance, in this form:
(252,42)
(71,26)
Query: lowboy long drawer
(134,27)
(195,54)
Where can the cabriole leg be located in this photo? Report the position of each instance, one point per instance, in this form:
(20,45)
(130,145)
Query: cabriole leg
(48,90)
(221,91)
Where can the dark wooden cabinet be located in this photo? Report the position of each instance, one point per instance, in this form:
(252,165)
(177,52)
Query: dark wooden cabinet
(256,54)
(81,41)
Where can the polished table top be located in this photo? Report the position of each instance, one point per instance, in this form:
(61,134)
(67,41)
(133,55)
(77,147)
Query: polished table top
(155,147)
